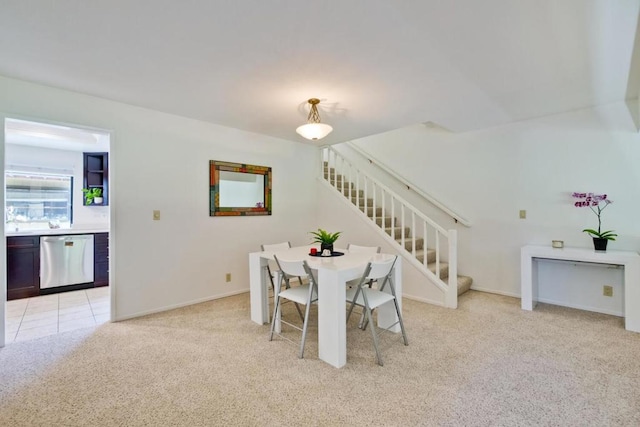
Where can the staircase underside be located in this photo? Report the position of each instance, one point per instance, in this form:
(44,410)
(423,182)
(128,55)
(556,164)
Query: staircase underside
(366,206)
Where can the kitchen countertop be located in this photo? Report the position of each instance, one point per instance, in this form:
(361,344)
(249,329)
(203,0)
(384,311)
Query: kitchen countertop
(57,231)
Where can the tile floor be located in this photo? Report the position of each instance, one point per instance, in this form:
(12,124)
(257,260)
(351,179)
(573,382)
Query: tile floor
(36,317)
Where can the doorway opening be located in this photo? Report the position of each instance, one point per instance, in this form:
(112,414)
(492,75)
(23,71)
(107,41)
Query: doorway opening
(57,238)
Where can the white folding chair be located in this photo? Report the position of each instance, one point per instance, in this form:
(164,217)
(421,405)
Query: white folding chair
(351,283)
(304,294)
(361,249)
(371,298)
(272,268)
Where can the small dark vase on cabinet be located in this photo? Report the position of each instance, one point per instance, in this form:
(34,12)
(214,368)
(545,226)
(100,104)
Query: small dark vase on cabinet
(324,246)
(600,244)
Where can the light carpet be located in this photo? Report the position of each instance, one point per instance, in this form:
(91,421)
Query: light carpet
(488,363)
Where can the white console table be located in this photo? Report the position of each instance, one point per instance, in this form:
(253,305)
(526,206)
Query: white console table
(629,260)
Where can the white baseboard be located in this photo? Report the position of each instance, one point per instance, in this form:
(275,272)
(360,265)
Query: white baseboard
(441,303)
(582,307)
(182,304)
(493,291)
(425,300)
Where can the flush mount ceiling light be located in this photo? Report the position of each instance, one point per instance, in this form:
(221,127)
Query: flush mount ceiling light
(314,130)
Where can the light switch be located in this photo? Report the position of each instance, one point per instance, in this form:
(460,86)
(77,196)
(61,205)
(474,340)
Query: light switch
(523,214)
(156,215)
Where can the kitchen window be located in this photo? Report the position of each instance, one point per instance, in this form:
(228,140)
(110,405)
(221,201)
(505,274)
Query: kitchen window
(38,201)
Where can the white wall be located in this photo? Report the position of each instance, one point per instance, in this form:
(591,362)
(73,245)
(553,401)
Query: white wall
(49,159)
(489,175)
(160,161)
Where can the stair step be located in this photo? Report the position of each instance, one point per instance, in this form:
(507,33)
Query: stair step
(444,269)
(339,185)
(387,221)
(408,244)
(398,232)
(431,255)
(369,202)
(354,193)
(378,211)
(464,284)
(348,184)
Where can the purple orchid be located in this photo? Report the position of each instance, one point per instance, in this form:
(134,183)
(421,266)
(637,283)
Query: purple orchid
(599,202)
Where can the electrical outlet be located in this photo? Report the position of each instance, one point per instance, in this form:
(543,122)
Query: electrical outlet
(607,291)
(228,277)
(156,215)
(523,214)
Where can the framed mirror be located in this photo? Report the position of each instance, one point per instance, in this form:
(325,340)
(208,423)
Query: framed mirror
(238,189)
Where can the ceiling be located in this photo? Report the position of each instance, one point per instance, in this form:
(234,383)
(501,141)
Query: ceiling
(377,65)
(44,135)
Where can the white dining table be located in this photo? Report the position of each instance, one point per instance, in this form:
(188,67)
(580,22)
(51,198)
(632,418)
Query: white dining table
(333,273)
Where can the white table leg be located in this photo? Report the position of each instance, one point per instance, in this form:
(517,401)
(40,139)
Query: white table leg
(526,281)
(632,297)
(387,312)
(259,296)
(332,319)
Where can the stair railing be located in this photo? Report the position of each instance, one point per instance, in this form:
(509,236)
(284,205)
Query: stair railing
(399,221)
(435,202)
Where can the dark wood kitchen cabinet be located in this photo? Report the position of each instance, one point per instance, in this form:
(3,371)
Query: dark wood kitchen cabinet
(23,267)
(96,174)
(101,259)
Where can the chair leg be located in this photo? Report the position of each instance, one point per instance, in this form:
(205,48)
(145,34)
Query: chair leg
(273,286)
(306,322)
(304,331)
(353,304)
(275,316)
(375,337)
(350,310)
(404,334)
(363,321)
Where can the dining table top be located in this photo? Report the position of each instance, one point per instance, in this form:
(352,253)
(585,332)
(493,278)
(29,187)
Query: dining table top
(346,261)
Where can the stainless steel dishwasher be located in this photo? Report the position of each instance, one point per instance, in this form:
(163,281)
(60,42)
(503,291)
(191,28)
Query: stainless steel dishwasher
(66,260)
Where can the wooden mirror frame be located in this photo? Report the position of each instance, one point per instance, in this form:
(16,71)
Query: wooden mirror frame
(215,167)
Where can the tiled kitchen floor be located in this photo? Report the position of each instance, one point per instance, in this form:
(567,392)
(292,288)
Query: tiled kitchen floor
(36,317)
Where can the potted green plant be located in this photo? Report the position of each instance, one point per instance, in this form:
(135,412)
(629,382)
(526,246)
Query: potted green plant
(599,202)
(92,196)
(97,196)
(325,239)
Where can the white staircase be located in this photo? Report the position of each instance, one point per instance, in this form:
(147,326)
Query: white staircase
(422,242)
